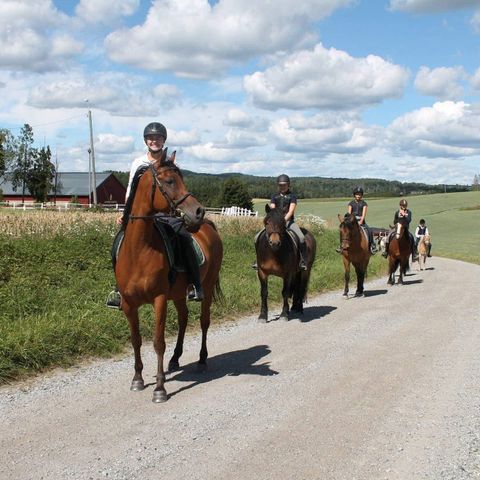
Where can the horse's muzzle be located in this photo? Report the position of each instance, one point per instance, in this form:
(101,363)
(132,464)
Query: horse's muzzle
(193,219)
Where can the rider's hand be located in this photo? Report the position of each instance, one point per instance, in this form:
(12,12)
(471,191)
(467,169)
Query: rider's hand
(119,220)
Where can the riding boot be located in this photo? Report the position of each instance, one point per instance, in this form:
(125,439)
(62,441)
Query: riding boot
(371,243)
(429,254)
(385,252)
(414,252)
(303,255)
(194,289)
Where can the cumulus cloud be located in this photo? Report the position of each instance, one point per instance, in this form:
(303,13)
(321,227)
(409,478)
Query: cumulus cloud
(324,133)
(182,32)
(442,82)
(117,94)
(169,95)
(429,6)
(183,138)
(475,80)
(447,129)
(325,78)
(475,21)
(105,11)
(26,41)
(237,118)
(110,144)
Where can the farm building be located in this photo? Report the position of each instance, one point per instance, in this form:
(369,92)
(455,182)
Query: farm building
(76,186)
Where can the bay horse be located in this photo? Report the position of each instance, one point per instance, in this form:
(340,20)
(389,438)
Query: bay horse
(423,244)
(399,251)
(278,255)
(355,250)
(142,269)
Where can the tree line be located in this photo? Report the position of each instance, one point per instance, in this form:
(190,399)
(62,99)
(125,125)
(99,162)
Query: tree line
(26,167)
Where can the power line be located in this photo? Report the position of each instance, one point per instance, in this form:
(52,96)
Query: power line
(49,123)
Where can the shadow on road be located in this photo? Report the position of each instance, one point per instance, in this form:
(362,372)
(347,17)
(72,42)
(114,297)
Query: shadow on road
(374,293)
(314,313)
(412,282)
(239,362)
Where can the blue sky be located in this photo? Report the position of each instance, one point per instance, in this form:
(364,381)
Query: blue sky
(338,88)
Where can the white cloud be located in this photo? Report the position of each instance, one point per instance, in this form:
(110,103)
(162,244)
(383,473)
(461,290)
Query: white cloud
(325,78)
(26,41)
(199,40)
(110,144)
(447,129)
(183,138)
(325,133)
(119,94)
(169,95)
(475,21)
(105,11)
(429,6)
(475,80)
(237,118)
(442,82)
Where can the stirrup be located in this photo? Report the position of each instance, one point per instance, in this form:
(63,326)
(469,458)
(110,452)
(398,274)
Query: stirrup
(254,265)
(114,300)
(194,293)
(385,254)
(302,265)
(339,249)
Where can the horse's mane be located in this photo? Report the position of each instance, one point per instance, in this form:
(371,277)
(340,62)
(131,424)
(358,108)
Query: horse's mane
(349,220)
(170,165)
(133,189)
(276,215)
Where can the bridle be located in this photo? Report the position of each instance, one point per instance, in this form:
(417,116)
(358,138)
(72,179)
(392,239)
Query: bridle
(173,205)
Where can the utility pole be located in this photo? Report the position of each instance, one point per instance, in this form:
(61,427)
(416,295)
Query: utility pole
(89,176)
(94,180)
(56,179)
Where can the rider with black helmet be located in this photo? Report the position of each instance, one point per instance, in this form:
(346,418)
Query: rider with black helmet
(286,200)
(403,212)
(155,136)
(359,207)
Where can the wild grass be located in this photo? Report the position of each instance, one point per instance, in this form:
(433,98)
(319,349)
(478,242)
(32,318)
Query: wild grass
(55,273)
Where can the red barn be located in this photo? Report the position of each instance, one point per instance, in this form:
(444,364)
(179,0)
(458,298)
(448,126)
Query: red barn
(74,185)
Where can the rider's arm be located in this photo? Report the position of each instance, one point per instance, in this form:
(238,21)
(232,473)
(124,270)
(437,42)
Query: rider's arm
(291,211)
(416,232)
(364,214)
(349,208)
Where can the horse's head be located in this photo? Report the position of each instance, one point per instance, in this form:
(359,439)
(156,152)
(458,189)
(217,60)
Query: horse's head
(401,228)
(170,195)
(347,224)
(426,239)
(275,226)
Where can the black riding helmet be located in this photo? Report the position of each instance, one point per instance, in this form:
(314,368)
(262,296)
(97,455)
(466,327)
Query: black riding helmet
(155,128)
(358,190)
(283,179)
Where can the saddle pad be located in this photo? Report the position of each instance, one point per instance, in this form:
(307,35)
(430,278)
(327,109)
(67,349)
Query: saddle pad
(175,263)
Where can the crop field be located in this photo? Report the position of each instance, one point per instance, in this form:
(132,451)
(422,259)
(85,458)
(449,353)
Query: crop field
(453,219)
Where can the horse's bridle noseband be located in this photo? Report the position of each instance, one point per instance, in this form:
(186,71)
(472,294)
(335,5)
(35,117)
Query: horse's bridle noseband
(172,204)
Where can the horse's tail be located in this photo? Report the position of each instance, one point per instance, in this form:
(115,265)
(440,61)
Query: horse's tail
(217,291)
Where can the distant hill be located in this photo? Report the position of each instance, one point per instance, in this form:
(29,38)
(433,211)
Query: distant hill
(207,187)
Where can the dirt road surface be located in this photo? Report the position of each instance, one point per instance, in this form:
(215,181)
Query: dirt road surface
(382,387)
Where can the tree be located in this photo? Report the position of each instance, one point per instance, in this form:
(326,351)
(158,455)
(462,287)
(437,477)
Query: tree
(235,193)
(7,152)
(476,183)
(23,158)
(39,178)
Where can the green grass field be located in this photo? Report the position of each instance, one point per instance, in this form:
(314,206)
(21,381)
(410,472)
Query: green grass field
(453,219)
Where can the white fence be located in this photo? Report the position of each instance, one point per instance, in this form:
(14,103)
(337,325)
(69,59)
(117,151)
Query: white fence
(232,212)
(227,211)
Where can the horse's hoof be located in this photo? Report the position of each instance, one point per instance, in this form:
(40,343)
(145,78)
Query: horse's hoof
(159,396)
(201,367)
(137,385)
(359,294)
(173,366)
(262,319)
(283,318)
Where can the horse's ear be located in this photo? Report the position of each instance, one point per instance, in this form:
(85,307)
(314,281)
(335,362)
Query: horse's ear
(172,157)
(267,208)
(163,158)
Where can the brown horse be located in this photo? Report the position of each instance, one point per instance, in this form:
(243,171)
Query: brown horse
(399,251)
(278,255)
(142,269)
(355,250)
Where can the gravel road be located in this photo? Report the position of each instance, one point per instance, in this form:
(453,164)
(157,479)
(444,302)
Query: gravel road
(382,387)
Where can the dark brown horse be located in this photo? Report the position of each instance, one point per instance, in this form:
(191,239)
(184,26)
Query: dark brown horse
(355,250)
(142,269)
(278,255)
(399,251)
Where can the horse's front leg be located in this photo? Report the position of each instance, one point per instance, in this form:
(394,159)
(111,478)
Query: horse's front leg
(132,314)
(360,280)
(263,278)
(205,324)
(346,276)
(160,306)
(391,271)
(182,313)
(287,282)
